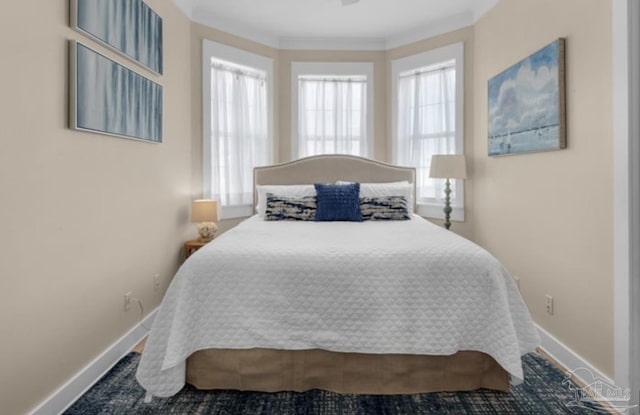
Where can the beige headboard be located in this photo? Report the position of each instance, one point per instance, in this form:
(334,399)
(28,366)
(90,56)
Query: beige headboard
(330,168)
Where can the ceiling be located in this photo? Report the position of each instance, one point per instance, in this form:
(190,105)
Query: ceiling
(327,24)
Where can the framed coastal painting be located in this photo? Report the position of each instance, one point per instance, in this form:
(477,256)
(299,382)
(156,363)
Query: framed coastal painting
(108,98)
(527,104)
(129,27)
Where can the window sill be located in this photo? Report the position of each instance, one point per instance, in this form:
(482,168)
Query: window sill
(434,211)
(233,212)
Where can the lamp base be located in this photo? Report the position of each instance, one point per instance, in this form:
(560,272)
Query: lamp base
(447,204)
(207,231)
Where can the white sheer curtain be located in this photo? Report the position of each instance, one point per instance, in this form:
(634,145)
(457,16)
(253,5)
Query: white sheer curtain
(332,115)
(239,132)
(426,125)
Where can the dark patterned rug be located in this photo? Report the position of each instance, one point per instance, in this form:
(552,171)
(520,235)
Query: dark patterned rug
(546,390)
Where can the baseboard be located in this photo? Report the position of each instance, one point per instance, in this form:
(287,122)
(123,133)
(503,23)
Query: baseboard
(570,360)
(567,357)
(83,380)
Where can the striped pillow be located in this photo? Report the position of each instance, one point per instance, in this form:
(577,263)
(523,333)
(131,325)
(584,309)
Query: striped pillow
(290,208)
(384,208)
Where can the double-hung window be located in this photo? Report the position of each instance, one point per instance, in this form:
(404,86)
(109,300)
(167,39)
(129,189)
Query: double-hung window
(428,119)
(237,124)
(332,105)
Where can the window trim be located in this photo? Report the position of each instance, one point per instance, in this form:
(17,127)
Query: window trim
(211,49)
(431,57)
(329,69)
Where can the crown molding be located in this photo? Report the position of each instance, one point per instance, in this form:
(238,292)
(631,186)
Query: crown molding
(334,43)
(185,7)
(428,30)
(206,18)
(483,8)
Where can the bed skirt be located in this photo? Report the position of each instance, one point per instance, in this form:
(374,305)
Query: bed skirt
(269,370)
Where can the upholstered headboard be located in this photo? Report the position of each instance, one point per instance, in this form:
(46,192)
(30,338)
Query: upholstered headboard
(330,168)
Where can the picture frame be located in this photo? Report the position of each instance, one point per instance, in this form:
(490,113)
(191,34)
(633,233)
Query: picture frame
(527,104)
(129,27)
(109,98)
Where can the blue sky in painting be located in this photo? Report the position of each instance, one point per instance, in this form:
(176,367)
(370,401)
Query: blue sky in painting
(525,96)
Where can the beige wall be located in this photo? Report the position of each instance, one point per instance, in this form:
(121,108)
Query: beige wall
(84,217)
(549,216)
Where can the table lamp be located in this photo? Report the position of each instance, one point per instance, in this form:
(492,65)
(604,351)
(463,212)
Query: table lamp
(448,166)
(205,213)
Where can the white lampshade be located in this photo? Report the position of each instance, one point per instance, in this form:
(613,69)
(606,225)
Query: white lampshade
(448,166)
(204,210)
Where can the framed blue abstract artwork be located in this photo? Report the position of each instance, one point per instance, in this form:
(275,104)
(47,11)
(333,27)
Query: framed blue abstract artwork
(527,104)
(109,98)
(129,27)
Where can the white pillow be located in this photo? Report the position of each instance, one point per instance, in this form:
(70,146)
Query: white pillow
(387,189)
(294,190)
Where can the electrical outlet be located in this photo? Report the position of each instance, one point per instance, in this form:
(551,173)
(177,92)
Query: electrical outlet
(127,301)
(516,279)
(549,305)
(156,282)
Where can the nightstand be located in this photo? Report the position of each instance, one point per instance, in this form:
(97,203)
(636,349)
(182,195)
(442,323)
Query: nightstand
(192,246)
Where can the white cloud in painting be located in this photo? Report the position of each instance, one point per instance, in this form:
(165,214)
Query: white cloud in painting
(526,101)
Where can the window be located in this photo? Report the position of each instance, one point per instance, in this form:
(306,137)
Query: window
(428,119)
(332,105)
(237,124)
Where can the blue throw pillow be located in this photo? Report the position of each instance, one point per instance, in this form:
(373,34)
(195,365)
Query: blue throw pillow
(338,202)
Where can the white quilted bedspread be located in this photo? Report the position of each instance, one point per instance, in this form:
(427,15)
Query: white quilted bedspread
(392,287)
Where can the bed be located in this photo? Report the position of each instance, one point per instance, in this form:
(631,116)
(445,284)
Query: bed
(370,307)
